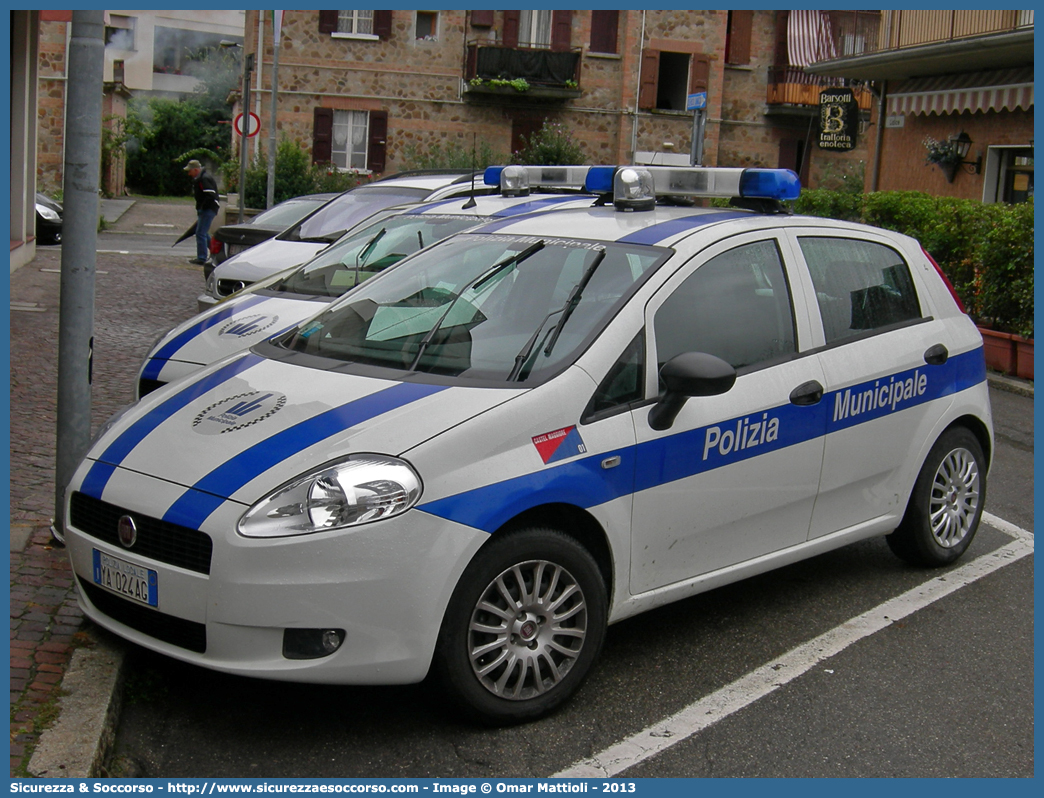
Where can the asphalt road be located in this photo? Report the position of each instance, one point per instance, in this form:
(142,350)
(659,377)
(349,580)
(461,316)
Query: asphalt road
(946,690)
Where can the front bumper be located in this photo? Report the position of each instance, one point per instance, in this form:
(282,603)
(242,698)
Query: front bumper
(386,584)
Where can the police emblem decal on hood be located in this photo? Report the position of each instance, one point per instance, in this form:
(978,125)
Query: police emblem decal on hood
(238,412)
(244,326)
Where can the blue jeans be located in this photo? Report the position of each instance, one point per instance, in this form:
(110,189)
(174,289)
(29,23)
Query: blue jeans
(203,222)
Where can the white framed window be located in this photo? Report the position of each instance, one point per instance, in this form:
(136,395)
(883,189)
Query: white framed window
(351,135)
(534,28)
(355,22)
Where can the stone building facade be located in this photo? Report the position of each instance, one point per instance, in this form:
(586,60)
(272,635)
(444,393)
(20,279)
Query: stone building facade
(366,90)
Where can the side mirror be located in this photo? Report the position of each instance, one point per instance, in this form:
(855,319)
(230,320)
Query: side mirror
(689,374)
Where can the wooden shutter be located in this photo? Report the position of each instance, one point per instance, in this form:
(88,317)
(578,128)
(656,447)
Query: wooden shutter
(737,48)
(322,135)
(382,23)
(650,79)
(378,146)
(512,20)
(781,57)
(604,25)
(561,30)
(699,74)
(482,19)
(327,21)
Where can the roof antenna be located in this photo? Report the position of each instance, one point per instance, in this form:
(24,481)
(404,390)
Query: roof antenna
(471,202)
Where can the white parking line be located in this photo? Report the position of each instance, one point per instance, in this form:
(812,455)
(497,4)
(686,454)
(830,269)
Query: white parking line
(745,691)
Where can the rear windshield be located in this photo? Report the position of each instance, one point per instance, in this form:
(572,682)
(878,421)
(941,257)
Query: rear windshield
(286,213)
(486,307)
(347,210)
(359,256)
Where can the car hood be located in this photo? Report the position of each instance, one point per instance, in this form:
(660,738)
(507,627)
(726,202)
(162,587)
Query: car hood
(267,258)
(236,324)
(247,425)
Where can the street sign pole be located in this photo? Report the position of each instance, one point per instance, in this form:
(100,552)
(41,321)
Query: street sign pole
(697,103)
(244,141)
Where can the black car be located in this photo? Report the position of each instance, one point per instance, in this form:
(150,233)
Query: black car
(48,220)
(234,238)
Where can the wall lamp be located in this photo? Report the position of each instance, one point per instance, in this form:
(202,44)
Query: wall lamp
(961,143)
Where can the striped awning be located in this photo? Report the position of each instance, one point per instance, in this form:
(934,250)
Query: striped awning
(997,90)
(809,38)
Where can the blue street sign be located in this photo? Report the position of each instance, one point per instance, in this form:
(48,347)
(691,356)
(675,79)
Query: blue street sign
(695,101)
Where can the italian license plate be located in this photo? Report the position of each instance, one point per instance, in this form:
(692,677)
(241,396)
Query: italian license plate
(129,580)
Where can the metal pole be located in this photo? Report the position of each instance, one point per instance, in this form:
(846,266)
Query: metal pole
(80,234)
(270,197)
(244,140)
(699,122)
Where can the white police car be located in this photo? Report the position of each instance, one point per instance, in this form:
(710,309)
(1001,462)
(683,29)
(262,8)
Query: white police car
(273,305)
(476,461)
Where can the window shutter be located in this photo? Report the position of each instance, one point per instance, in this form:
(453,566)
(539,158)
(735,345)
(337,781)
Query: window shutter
(699,77)
(322,135)
(482,19)
(382,23)
(737,49)
(650,79)
(561,30)
(512,20)
(378,145)
(327,21)
(604,25)
(781,57)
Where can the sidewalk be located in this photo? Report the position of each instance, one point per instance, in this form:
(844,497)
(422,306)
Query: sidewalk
(64,671)
(137,298)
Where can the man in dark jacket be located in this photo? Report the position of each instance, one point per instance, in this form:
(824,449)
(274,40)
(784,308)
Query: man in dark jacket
(206,192)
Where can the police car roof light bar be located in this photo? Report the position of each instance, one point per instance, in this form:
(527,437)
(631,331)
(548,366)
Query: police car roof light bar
(634,187)
(537,176)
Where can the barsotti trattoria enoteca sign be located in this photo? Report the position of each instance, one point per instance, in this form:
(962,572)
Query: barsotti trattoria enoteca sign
(838,119)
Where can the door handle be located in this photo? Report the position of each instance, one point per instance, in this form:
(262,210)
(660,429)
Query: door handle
(808,393)
(936,355)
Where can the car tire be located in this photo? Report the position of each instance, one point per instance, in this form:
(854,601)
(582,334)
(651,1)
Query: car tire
(946,504)
(508,653)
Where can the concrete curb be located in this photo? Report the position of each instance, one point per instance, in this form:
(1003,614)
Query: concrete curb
(1010,384)
(79,743)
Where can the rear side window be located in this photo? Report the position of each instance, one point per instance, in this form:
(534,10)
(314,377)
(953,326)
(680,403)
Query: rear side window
(735,306)
(860,286)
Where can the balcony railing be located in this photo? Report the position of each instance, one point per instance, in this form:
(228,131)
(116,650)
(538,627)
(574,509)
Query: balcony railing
(864,32)
(543,73)
(792,86)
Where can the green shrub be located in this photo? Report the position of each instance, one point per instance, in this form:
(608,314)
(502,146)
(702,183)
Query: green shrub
(551,145)
(1006,276)
(830,204)
(295,176)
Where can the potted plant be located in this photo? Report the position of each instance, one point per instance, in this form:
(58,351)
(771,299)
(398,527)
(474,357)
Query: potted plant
(943,154)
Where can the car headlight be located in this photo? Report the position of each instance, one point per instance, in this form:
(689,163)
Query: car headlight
(358,490)
(48,214)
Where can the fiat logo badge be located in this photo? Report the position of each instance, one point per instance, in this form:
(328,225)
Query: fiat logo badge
(127,531)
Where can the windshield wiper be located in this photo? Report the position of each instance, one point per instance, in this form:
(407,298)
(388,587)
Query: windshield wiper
(525,351)
(365,252)
(481,280)
(574,300)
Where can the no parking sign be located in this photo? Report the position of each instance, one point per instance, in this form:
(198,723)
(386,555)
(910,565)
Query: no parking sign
(254,125)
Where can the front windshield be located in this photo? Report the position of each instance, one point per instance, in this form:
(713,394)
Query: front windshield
(359,256)
(481,306)
(347,210)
